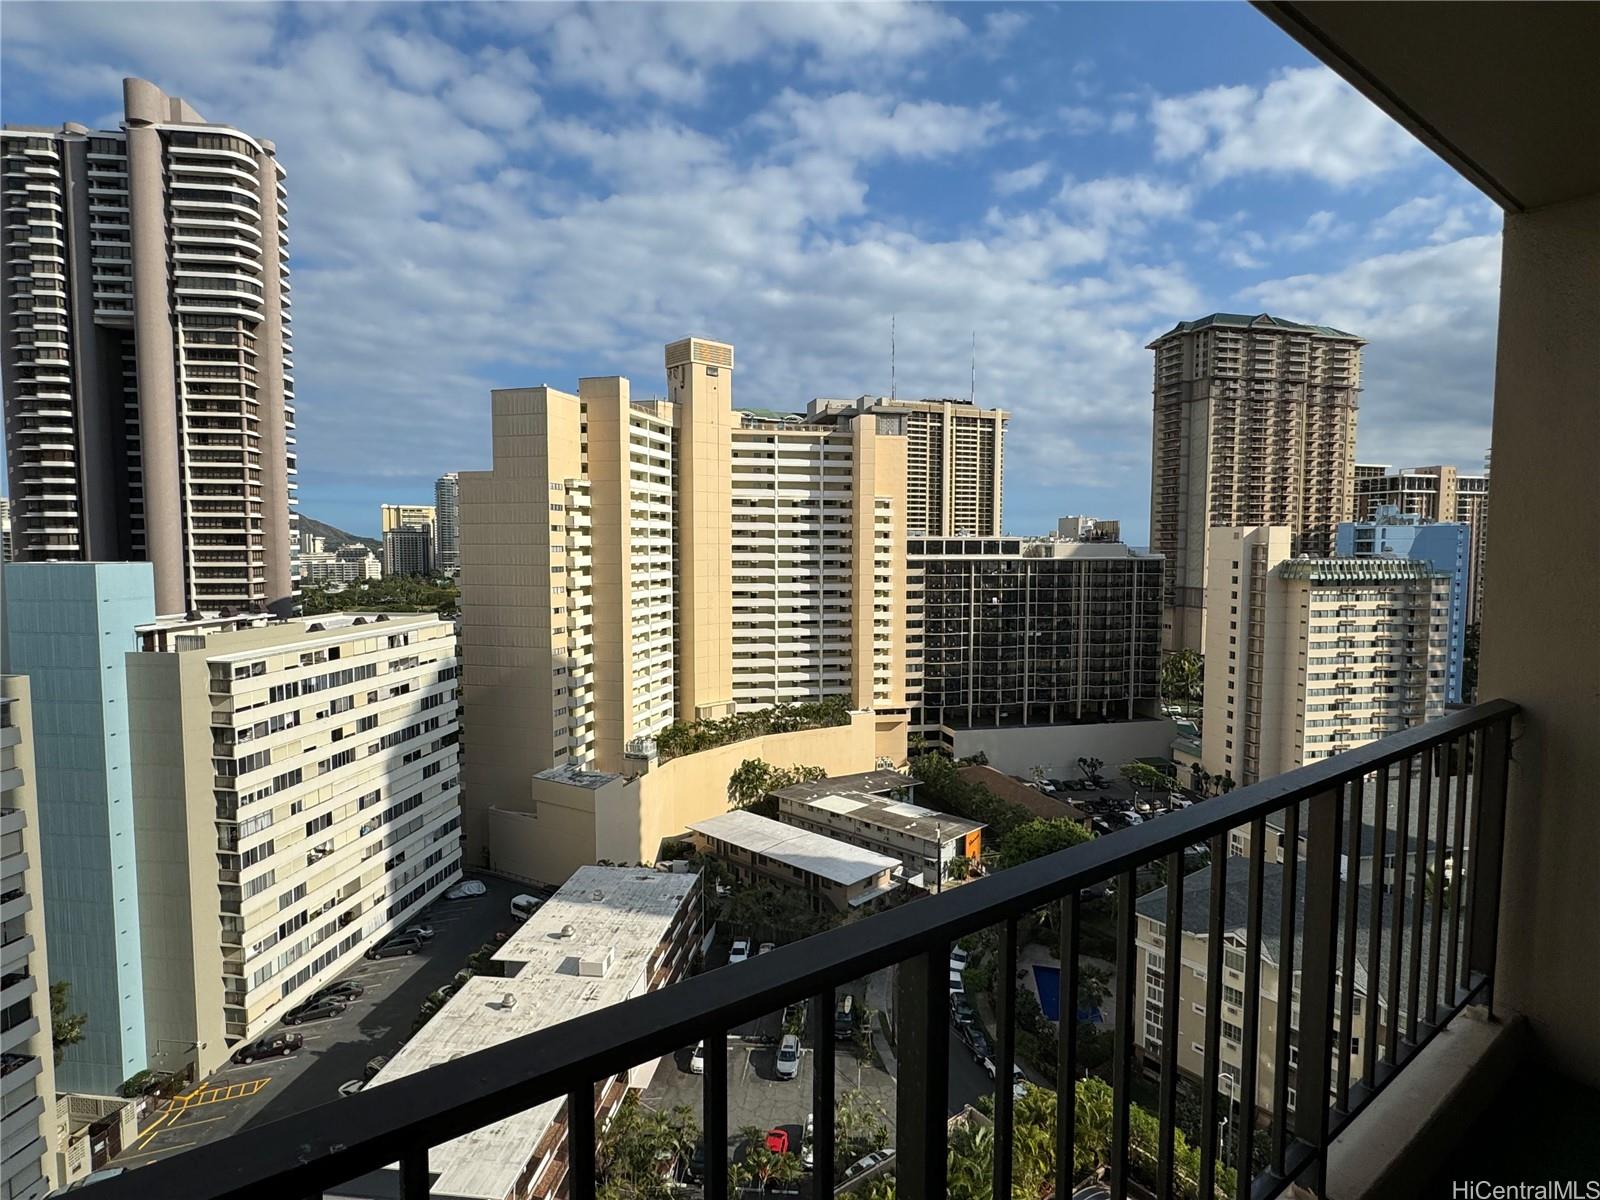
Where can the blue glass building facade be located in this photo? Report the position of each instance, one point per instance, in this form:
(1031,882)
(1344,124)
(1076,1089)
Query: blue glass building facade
(1444,545)
(69,627)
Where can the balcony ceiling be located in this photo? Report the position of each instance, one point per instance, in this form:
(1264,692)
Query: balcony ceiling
(1508,94)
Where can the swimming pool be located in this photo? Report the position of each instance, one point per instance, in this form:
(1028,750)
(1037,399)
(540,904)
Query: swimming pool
(1048,981)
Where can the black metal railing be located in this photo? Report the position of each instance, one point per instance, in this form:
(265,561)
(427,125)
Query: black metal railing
(1384,867)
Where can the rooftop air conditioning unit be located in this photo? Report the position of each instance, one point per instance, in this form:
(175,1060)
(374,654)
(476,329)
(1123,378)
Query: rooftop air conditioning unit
(508,1001)
(598,968)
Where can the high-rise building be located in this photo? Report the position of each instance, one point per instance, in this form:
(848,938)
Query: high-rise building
(626,564)
(149,395)
(1034,631)
(955,461)
(1436,493)
(398,516)
(1309,657)
(5,529)
(1089,529)
(1444,545)
(69,627)
(1255,424)
(447,526)
(27,1171)
(351,564)
(408,550)
(297,797)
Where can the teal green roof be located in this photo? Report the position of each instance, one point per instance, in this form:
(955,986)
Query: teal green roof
(1259,321)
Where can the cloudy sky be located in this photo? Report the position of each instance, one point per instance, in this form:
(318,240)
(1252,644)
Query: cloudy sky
(495,195)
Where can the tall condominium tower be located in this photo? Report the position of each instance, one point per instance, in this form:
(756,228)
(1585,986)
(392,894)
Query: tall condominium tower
(1255,424)
(1436,493)
(955,461)
(447,521)
(631,563)
(149,395)
(1309,657)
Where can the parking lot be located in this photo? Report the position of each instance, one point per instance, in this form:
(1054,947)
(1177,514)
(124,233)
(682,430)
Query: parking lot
(336,1050)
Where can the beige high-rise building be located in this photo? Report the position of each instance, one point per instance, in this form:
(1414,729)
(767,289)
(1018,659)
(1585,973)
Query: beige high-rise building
(145,344)
(626,564)
(28,1170)
(1309,657)
(1255,424)
(398,516)
(955,461)
(1436,493)
(295,788)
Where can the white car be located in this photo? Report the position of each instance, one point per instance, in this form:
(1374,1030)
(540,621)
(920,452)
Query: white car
(789,1057)
(1019,1085)
(959,958)
(697,1060)
(866,1164)
(524,906)
(766,946)
(956,986)
(740,951)
(807,1149)
(465,889)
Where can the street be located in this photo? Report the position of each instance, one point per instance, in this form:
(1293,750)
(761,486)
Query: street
(336,1050)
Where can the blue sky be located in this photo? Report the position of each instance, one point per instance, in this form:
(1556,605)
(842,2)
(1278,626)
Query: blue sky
(497,195)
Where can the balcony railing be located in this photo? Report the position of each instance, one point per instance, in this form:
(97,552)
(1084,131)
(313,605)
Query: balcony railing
(1417,941)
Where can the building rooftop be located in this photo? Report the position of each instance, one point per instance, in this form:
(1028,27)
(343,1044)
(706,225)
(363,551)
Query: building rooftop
(811,852)
(613,935)
(576,776)
(864,798)
(1015,791)
(252,633)
(1261,321)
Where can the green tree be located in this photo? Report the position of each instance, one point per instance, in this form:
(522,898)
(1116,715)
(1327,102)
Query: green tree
(748,786)
(1090,767)
(393,593)
(1143,775)
(1039,837)
(639,1147)
(66,1028)
(971,1163)
(1183,680)
(861,1125)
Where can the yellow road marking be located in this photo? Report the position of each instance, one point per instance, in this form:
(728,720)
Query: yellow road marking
(201,1095)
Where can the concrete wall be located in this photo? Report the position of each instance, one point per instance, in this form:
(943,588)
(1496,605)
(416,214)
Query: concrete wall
(1057,748)
(1541,624)
(562,826)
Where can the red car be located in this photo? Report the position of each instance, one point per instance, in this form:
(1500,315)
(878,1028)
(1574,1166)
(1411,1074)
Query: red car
(778,1141)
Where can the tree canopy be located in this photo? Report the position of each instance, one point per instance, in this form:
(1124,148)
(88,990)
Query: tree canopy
(393,593)
(1037,838)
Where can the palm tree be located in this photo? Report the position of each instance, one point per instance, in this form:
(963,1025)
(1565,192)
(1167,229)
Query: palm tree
(971,1164)
(1183,680)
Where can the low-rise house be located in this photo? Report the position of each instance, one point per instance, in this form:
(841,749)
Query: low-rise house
(834,873)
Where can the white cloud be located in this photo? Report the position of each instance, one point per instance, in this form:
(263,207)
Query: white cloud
(858,126)
(1306,121)
(1125,199)
(1430,316)
(1023,179)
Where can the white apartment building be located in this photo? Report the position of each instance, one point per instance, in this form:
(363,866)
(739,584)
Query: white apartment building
(608,935)
(447,523)
(27,1081)
(1436,493)
(295,787)
(339,567)
(1309,657)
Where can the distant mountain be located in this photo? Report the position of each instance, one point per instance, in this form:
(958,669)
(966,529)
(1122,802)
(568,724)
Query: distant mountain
(335,537)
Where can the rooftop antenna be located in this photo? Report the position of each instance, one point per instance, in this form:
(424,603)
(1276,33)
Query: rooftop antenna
(893,394)
(972,387)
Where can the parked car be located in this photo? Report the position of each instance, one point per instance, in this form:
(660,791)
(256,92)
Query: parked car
(697,1060)
(313,1010)
(862,1165)
(844,1018)
(1019,1085)
(959,958)
(395,948)
(778,1141)
(789,1057)
(807,1143)
(961,1010)
(973,1036)
(740,951)
(351,1086)
(346,990)
(273,1045)
(374,1065)
(465,890)
(766,946)
(955,983)
(695,1170)
(423,933)
(524,906)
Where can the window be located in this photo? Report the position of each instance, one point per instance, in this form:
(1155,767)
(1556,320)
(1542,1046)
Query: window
(254,887)
(1234,1033)
(256,854)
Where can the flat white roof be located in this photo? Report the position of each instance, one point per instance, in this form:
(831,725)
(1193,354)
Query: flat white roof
(838,804)
(824,856)
(632,914)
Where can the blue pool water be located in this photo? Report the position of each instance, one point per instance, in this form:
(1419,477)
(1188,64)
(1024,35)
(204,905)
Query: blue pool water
(1048,980)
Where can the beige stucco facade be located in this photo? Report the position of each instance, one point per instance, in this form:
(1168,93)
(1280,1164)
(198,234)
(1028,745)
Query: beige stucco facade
(1306,658)
(562,820)
(295,798)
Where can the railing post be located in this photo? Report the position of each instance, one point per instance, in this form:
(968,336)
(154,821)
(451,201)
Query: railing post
(922,1000)
(1216,930)
(714,1114)
(414,1181)
(1067,1050)
(580,1143)
(1171,1034)
(1122,1036)
(1248,1052)
(822,1092)
(1005,1055)
(1488,847)
(1319,942)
